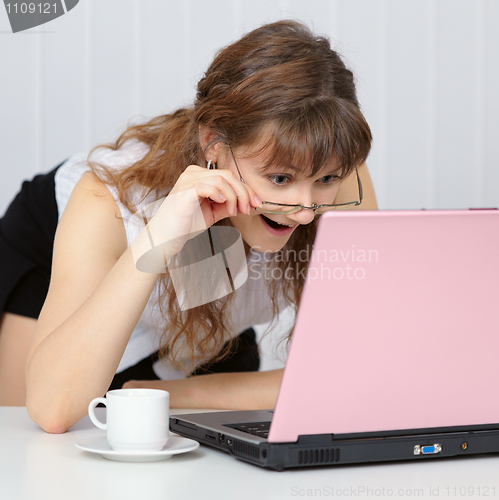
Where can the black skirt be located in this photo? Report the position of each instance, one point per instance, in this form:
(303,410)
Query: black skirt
(27,233)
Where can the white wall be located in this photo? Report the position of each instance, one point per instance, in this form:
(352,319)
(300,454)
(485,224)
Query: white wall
(427,71)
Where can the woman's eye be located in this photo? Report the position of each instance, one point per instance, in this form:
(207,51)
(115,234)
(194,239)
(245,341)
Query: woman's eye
(278,179)
(328,179)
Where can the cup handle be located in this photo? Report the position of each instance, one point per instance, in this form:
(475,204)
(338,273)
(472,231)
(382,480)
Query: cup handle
(91,412)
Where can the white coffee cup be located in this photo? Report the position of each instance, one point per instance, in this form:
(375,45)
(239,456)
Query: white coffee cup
(137,419)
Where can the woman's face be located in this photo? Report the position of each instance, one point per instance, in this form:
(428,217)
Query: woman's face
(263,232)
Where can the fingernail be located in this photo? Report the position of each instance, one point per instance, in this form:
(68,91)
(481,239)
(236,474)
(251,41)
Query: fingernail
(257,200)
(248,210)
(222,197)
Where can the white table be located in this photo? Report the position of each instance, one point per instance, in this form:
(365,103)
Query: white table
(37,466)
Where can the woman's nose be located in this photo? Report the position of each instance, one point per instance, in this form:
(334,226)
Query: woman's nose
(304,216)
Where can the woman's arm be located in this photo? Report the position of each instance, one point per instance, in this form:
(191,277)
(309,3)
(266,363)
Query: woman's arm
(228,391)
(95,299)
(97,294)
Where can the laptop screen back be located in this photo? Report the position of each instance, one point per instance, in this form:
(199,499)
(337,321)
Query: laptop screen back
(398,325)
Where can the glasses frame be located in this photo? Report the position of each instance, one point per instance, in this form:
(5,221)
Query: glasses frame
(296,208)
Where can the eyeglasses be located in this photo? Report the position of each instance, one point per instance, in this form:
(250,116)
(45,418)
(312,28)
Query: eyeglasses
(286,209)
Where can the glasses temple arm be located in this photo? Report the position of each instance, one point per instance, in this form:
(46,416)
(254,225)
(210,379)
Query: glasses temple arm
(361,192)
(235,163)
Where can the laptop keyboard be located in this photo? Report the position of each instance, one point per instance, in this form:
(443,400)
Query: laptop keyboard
(260,429)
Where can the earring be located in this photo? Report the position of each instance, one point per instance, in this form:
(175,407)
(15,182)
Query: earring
(211,165)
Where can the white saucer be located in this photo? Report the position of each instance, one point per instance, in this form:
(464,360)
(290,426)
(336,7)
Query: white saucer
(175,445)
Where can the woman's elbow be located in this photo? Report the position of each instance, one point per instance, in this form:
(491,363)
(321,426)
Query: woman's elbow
(52,419)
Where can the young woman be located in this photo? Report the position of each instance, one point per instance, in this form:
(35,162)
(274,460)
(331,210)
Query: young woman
(276,114)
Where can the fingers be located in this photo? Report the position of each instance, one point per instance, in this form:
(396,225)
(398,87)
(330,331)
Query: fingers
(239,197)
(246,198)
(241,192)
(221,207)
(232,193)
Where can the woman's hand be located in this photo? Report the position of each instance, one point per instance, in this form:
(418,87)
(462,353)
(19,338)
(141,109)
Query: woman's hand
(220,193)
(199,199)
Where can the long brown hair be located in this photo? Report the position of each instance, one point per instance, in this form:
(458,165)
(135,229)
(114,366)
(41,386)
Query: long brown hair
(283,80)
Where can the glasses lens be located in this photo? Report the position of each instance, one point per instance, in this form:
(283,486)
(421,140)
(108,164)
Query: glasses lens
(269,208)
(346,206)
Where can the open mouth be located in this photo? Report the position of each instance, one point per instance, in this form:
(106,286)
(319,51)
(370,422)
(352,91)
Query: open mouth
(275,225)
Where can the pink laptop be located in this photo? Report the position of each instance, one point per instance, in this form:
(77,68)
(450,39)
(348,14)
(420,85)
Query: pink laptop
(394,352)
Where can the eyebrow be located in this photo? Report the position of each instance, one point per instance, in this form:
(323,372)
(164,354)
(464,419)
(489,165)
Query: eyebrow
(294,170)
(266,168)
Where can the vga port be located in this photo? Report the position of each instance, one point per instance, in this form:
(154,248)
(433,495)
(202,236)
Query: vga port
(427,449)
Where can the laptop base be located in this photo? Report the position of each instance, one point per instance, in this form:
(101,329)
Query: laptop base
(328,449)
